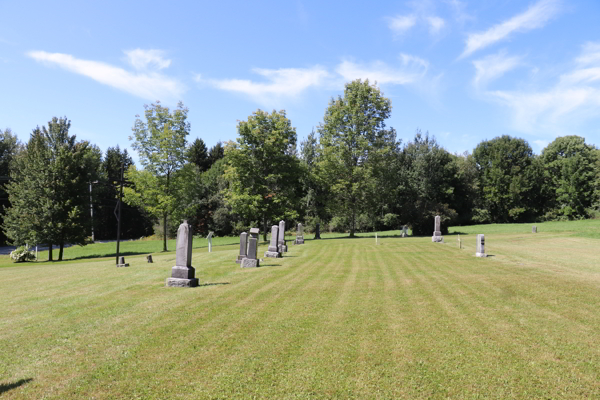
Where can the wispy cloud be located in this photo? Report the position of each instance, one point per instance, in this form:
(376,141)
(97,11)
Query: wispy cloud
(535,17)
(411,68)
(435,24)
(401,23)
(493,66)
(143,59)
(278,84)
(574,99)
(458,8)
(150,85)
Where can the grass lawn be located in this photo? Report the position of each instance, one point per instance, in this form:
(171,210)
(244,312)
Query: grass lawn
(335,318)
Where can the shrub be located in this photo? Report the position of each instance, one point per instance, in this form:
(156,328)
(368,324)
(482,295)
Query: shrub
(22,254)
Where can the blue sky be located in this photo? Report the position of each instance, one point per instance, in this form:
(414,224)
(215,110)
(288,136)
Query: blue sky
(465,71)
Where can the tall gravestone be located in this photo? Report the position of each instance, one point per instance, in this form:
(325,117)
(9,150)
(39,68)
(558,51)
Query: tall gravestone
(281,242)
(183,274)
(243,247)
(209,238)
(299,235)
(273,250)
(534,229)
(250,261)
(480,246)
(318,231)
(437,233)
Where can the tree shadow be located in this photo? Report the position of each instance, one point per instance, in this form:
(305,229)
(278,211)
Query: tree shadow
(113,255)
(5,387)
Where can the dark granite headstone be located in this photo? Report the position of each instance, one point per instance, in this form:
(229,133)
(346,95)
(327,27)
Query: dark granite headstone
(318,231)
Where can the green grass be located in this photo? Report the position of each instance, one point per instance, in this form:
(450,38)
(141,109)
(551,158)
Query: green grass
(335,318)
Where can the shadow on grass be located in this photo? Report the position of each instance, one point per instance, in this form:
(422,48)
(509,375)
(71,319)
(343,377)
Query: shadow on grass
(214,284)
(5,387)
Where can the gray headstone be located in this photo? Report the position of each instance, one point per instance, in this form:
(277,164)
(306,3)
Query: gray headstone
(243,247)
(183,274)
(122,262)
(281,238)
(404,231)
(253,244)
(480,246)
(437,233)
(273,250)
(318,231)
(534,229)
(299,235)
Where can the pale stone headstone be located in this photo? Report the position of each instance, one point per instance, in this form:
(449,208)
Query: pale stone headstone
(250,261)
(281,238)
(149,258)
(534,229)
(209,237)
(376,240)
(299,235)
(318,231)
(480,246)
(122,262)
(243,247)
(437,233)
(404,231)
(183,274)
(273,250)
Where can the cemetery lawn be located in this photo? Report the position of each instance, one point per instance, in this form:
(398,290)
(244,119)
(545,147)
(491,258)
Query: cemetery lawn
(335,318)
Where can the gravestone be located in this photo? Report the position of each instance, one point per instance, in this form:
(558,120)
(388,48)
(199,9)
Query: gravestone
(122,262)
(318,231)
(250,260)
(243,247)
(404,231)
(480,246)
(149,258)
(183,274)
(534,229)
(299,235)
(437,233)
(281,242)
(209,237)
(273,250)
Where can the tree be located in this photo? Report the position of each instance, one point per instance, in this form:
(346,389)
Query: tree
(352,137)
(570,172)
(161,145)
(315,191)
(9,148)
(263,171)
(216,153)
(510,179)
(49,189)
(198,155)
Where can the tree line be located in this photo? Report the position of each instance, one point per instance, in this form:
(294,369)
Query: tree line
(351,174)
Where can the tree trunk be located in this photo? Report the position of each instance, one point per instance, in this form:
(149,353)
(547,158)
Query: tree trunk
(165,232)
(50,252)
(60,251)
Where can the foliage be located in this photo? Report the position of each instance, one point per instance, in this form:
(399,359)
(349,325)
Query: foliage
(263,171)
(352,137)
(316,191)
(570,173)
(49,191)
(198,155)
(510,179)
(10,146)
(161,145)
(22,254)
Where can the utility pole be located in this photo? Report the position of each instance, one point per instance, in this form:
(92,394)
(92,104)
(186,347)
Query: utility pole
(119,213)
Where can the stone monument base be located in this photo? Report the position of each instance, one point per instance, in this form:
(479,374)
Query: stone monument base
(122,265)
(480,255)
(283,248)
(239,259)
(437,237)
(273,254)
(180,282)
(299,241)
(249,263)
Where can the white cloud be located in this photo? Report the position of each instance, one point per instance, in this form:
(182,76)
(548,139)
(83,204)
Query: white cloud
(142,59)
(535,17)
(541,144)
(459,11)
(401,23)
(280,83)
(412,68)
(435,24)
(493,67)
(574,99)
(147,85)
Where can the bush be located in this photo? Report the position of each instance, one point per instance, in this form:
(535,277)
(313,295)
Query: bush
(22,254)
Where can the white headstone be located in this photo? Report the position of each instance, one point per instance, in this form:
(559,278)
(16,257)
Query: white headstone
(209,237)
(480,246)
